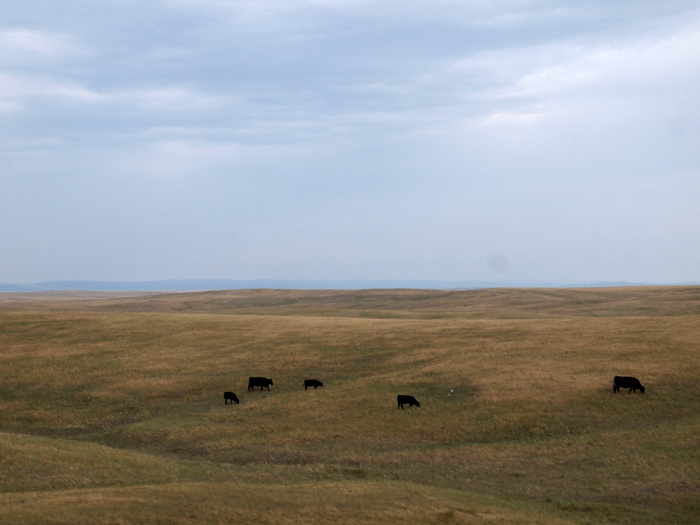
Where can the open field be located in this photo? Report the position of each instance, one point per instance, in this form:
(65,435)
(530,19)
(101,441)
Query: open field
(111,407)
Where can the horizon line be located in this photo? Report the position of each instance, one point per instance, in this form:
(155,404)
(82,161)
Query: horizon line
(301,284)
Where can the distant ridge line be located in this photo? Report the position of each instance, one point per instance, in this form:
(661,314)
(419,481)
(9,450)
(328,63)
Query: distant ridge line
(329,284)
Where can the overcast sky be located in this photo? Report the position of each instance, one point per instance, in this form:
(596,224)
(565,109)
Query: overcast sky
(499,140)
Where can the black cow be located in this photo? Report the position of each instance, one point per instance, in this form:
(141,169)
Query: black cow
(627,382)
(407,400)
(230,396)
(312,383)
(262,382)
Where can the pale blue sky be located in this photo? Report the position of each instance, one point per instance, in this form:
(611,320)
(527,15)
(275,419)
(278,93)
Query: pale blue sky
(349,139)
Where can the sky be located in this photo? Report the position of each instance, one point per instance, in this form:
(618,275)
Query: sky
(545,140)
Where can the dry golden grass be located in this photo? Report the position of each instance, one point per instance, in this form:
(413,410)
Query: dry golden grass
(350,501)
(116,402)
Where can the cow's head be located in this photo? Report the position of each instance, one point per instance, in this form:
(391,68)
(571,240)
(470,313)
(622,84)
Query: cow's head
(641,389)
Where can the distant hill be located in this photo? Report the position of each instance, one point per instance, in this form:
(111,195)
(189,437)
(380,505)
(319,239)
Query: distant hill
(350,284)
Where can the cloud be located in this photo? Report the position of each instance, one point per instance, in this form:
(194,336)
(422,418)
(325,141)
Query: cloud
(33,42)
(350,139)
(630,68)
(174,158)
(20,92)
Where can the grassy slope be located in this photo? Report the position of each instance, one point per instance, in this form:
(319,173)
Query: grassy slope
(111,407)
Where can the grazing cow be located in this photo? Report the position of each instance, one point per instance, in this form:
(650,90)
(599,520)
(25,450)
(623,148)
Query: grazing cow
(312,383)
(627,382)
(230,396)
(262,382)
(407,400)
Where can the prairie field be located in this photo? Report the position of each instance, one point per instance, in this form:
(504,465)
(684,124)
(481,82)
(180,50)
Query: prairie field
(112,410)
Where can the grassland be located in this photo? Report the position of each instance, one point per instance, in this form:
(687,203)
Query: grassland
(111,407)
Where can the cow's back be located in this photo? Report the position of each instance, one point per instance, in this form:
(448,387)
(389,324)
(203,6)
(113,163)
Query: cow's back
(627,382)
(308,383)
(262,382)
(231,396)
(403,399)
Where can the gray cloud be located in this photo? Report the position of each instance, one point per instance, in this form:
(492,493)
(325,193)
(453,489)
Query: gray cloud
(349,139)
